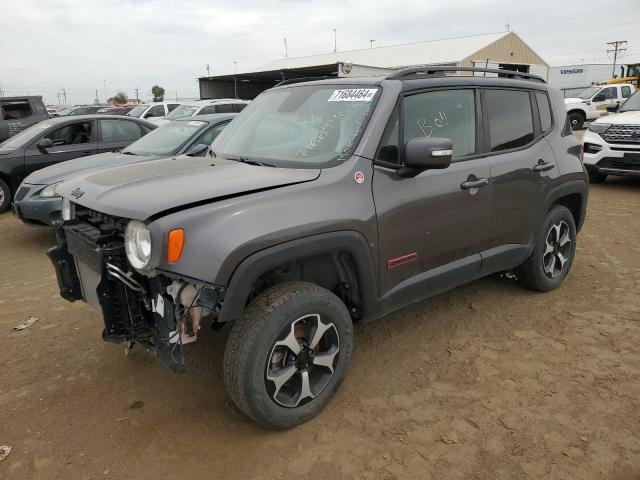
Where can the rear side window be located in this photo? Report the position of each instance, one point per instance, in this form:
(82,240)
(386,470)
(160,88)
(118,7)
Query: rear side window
(626,92)
(510,119)
(224,108)
(447,114)
(172,106)
(545,111)
(207,110)
(15,109)
(240,106)
(156,111)
(119,131)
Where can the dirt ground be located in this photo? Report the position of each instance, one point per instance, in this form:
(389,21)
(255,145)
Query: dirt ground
(489,381)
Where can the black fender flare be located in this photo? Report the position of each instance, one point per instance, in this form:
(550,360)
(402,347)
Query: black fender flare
(572,187)
(248,271)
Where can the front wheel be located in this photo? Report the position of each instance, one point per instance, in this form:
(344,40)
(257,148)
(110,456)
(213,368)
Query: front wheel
(287,356)
(576,120)
(551,260)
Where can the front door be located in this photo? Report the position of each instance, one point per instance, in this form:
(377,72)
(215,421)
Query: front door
(432,227)
(71,140)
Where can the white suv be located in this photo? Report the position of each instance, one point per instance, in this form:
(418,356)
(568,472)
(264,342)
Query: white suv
(612,143)
(203,107)
(591,103)
(153,109)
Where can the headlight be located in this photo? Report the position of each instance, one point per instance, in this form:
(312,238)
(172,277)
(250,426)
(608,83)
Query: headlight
(599,127)
(137,244)
(67,209)
(49,191)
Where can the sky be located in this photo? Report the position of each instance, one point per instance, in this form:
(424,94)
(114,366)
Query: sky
(84,46)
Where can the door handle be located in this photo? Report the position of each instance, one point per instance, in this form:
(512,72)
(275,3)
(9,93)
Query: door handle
(543,166)
(473,182)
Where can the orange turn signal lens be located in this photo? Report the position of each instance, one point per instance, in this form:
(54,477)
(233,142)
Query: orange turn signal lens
(175,244)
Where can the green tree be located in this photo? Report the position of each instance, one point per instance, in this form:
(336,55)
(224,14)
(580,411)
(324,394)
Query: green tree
(120,98)
(158,93)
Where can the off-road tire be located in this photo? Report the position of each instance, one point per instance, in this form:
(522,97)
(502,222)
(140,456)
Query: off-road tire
(251,344)
(5,196)
(597,177)
(531,273)
(576,120)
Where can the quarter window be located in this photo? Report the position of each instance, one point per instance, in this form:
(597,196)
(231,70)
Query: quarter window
(626,92)
(510,119)
(210,135)
(119,131)
(224,108)
(15,109)
(544,110)
(446,114)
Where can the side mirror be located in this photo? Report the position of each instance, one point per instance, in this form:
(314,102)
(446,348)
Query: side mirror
(198,150)
(43,144)
(425,154)
(613,107)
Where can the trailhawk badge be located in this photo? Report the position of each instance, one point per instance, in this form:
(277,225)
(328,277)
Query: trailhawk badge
(77,193)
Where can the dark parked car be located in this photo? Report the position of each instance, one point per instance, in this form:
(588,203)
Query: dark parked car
(79,110)
(117,109)
(37,202)
(58,139)
(328,203)
(18,113)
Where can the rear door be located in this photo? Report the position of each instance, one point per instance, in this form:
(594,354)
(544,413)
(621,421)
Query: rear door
(432,227)
(70,140)
(523,168)
(115,134)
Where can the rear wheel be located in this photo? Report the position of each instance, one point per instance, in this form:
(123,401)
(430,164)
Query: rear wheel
(597,177)
(576,119)
(5,196)
(551,260)
(286,358)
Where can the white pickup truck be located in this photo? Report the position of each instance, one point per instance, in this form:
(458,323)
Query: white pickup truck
(591,103)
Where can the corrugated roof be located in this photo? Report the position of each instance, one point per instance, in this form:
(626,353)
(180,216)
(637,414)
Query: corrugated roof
(396,56)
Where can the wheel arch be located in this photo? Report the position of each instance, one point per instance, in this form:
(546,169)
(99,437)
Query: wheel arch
(572,195)
(332,245)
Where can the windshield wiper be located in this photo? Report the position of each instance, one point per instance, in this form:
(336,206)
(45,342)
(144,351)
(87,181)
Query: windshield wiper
(127,153)
(249,161)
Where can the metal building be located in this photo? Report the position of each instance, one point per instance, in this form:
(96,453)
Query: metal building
(504,50)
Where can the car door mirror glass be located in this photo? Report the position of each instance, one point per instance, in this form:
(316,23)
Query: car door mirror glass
(613,107)
(426,154)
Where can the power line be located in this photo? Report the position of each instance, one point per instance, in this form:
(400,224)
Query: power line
(618,47)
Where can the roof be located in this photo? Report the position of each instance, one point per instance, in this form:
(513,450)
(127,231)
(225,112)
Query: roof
(94,116)
(209,118)
(396,56)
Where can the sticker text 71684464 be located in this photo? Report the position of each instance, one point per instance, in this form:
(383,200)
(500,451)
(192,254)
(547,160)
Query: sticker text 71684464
(353,95)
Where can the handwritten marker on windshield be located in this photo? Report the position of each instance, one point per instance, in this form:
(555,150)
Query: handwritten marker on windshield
(358,177)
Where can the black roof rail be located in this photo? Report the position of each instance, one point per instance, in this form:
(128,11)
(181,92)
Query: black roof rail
(302,79)
(439,70)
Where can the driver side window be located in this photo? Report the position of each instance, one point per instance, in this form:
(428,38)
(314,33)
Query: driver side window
(73,134)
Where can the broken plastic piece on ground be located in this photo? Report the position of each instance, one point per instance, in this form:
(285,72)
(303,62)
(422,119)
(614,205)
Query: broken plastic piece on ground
(5,450)
(26,324)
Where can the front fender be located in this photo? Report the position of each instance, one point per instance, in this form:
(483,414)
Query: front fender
(255,265)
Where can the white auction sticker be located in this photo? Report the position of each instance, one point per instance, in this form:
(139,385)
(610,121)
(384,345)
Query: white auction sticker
(353,95)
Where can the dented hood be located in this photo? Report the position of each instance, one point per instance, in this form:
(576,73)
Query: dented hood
(144,190)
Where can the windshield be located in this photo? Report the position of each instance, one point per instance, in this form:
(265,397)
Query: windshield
(633,70)
(137,111)
(66,111)
(302,126)
(588,93)
(632,103)
(25,136)
(183,111)
(165,140)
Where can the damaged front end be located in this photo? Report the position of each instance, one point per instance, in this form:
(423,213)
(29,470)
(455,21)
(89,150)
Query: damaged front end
(154,310)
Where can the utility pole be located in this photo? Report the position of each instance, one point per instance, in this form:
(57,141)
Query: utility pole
(235,78)
(104,84)
(619,46)
(97,100)
(137,99)
(176,94)
(371,43)
(64,95)
(335,41)
(58,95)
(207,65)
(286,52)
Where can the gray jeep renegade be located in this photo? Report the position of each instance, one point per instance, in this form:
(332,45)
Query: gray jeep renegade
(323,204)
